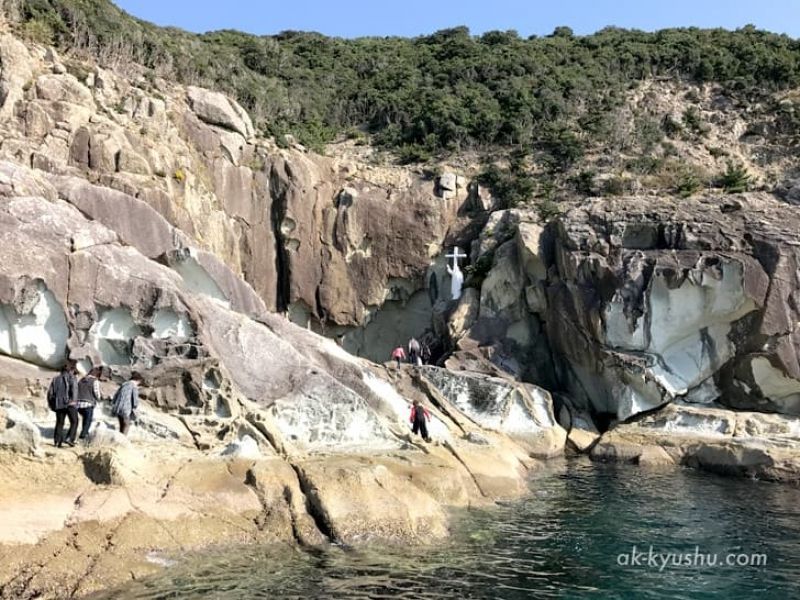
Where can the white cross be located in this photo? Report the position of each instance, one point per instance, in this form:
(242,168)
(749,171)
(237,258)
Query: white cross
(455,256)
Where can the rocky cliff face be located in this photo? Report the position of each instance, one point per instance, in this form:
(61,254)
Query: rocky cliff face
(330,240)
(148,226)
(694,297)
(635,305)
(273,419)
(645,302)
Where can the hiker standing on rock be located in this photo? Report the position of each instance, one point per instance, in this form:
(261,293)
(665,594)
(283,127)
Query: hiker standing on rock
(62,398)
(413,351)
(419,415)
(88,396)
(399,355)
(126,401)
(425,353)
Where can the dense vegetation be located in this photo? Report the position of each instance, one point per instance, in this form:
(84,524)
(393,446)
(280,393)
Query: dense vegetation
(446,92)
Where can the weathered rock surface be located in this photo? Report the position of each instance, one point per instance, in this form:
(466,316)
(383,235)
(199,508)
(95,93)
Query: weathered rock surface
(332,241)
(627,306)
(147,227)
(644,301)
(711,438)
(250,429)
(18,431)
(658,302)
(216,109)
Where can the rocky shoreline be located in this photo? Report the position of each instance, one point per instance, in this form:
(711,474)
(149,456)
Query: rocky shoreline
(92,517)
(147,226)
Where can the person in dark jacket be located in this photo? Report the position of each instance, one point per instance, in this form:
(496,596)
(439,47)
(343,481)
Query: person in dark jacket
(419,416)
(126,401)
(88,396)
(62,398)
(425,353)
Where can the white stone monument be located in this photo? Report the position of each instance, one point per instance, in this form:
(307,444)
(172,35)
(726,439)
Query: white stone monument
(456,276)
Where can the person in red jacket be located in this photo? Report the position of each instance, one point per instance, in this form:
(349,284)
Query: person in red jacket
(399,355)
(419,416)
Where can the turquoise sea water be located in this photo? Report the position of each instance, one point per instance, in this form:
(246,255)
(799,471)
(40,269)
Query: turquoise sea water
(572,538)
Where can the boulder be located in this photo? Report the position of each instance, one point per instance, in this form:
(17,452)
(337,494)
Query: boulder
(133,220)
(448,185)
(63,88)
(15,74)
(17,431)
(216,109)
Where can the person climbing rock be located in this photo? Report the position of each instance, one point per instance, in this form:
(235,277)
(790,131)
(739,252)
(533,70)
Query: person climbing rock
(399,355)
(419,416)
(88,396)
(425,353)
(414,351)
(126,401)
(62,398)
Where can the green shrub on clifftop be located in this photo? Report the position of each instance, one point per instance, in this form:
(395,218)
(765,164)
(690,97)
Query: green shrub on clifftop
(445,92)
(736,178)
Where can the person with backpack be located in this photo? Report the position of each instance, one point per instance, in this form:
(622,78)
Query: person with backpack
(62,398)
(88,396)
(419,416)
(126,401)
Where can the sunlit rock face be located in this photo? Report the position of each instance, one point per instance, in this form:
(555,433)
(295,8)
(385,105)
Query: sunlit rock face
(188,324)
(524,412)
(636,302)
(34,327)
(650,302)
(168,167)
(682,329)
(743,443)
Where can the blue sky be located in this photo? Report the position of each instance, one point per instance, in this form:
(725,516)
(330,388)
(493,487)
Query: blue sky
(352,18)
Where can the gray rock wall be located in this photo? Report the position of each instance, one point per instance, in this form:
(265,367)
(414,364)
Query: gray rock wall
(644,301)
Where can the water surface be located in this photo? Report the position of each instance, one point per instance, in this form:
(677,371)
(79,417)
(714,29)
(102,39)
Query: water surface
(572,538)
